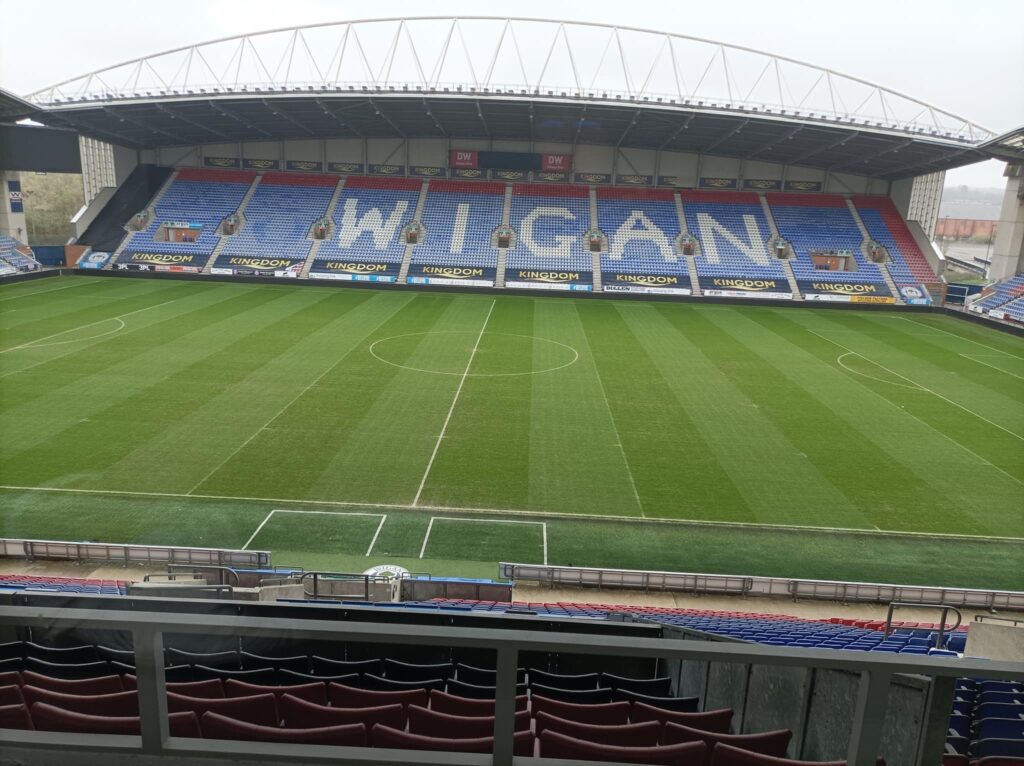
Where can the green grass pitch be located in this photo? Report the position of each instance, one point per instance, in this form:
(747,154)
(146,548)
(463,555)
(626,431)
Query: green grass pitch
(839,444)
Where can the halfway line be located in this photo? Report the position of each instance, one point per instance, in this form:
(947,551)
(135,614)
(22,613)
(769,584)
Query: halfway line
(455,400)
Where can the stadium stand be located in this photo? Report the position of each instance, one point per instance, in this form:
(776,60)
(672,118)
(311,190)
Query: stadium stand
(198,196)
(368,220)
(14,582)
(1003,292)
(887,227)
(733,234)
(549,222)
(820,222)
(459,218)
(642,227)
(12,261)
(279,217)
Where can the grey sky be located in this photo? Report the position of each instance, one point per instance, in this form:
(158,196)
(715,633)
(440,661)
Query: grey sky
(964,57)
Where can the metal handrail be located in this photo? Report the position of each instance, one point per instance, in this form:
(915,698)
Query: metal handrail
(875,672)
(229,570)
(944,608)
(993,618)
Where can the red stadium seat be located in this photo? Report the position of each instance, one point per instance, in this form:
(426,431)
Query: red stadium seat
(555,745)
(259,709)
(101,685)
(766,743)
(627,735)
(711,720)
(608,714)
(299,713)
(49,718)
(116,704)
(310,692)
(727,755)
(11,695)
(10,678)
(212,688)
(385,736)
(15,717)
(348,696)
(433,723)
(453,704)
(217,726)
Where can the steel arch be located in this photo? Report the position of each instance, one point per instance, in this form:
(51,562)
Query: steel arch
(538,58)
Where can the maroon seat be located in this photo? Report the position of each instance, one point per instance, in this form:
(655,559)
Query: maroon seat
(727,755)
(385,736)
(957,760)
(626,735)
(212,688)
(259,709)
(15,717)
(49,718)
(99,685)
(712,720)
(11,695)
(116,704)
(434,723)
(606,714)
(11,678)
(765,743)
(453,704)
(316,692)
(555,745)
(298,713)
(217,726)
(348,696)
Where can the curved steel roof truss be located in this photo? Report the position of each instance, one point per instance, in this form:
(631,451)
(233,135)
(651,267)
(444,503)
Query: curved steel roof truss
(532,58)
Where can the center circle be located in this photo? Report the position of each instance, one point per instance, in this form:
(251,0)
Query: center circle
(490,351)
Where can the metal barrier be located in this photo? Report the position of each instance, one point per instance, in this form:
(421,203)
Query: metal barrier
(130,554)
(873,673)
(943,608)
(332,580)
(752,585)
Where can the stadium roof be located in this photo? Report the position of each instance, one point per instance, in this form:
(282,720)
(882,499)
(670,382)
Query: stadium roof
(1009,146)
(14,108)
(513,79)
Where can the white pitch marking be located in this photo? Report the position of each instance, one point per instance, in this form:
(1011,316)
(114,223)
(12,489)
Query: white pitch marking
(839,361)
(52,290)
(383,517)
(83,326)
(455,400)
(525,512)
(375,355)
(974,358)
(426,537)
(373,542)
(618,441)
(923,388)
(961,337)
(260,527)
(430,527)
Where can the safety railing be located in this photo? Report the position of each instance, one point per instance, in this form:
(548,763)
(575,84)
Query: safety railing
(130,554)
(753,585)
(873,673)
(944,610)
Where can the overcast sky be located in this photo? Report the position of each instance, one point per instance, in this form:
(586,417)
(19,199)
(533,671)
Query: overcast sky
(964,57)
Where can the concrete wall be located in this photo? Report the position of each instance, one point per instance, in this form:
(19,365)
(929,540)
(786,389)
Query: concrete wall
(817,705)
(586,159)
(996,641)
(1008,248)
(12,224)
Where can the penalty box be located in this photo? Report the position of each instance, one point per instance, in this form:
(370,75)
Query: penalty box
(452,537)
(346,532)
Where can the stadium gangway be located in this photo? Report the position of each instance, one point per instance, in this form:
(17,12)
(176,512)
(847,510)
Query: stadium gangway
(129,554)
(875,673)
(753,585)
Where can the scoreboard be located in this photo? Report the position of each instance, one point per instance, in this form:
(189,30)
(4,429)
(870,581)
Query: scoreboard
(471,158)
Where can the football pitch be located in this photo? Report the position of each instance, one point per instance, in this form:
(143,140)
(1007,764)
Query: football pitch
(341,428)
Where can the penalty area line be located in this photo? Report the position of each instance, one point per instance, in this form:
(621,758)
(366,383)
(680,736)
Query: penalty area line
(543,530)
(556,515)
(382,516)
